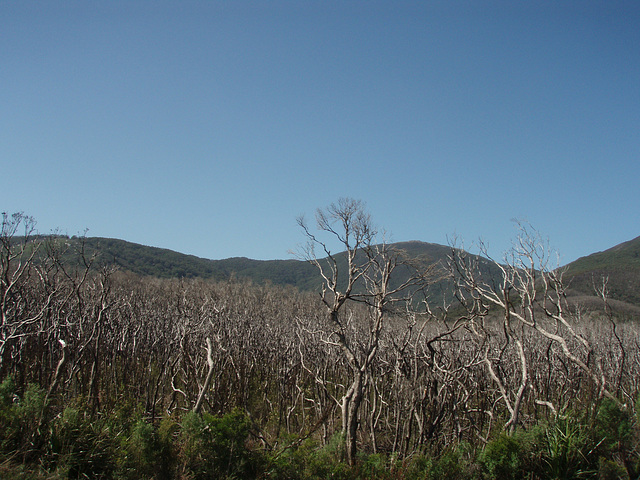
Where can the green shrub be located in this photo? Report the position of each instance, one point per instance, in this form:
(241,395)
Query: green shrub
(501,458)
(376,465)
(614,428)
(288,461)
(8,421)
(168,432)
(329,461)
(610,470)
(568,448)
(7,392)
(616,437)
(82,446)
(214,447)
(20,420)
(140,452)
(448,466)
(308,461)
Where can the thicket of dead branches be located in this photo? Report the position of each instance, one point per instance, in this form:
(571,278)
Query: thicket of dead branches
(500,356)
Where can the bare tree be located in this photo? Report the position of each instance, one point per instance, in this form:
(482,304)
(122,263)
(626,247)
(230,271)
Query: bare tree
(19,311)
(524,295)
(360,273)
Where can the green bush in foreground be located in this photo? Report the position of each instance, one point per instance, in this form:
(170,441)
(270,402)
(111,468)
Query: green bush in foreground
(82,445)
(449,466)
(501,459)
(21,420)
(77,442)
(141,453)
(215,447)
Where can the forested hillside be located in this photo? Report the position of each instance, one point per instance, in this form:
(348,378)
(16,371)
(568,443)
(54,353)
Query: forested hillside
(619,266)
(163,263)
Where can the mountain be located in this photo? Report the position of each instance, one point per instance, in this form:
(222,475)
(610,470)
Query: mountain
(619,265)
(164,263)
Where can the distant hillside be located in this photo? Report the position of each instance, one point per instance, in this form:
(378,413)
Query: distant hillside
(620,264)
(164,263)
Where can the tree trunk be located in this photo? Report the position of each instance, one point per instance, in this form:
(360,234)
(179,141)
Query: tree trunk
(350,408)
(207,381)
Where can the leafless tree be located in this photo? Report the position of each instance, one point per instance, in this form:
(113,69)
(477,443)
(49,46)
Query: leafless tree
(360,273)
(526,297)
(20,312)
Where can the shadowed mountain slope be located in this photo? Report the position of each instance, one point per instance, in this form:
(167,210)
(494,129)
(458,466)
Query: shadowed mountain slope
(620,265)
(164,263)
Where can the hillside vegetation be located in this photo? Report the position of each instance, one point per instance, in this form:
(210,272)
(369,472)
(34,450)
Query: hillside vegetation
(164,263)
(619,266)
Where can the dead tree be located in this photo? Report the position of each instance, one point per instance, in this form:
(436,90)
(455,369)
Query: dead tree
(207,382)
(20,312)
(524,295)
(360,273)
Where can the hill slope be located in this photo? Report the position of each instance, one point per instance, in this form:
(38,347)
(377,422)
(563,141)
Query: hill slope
(164,263)
(619,264)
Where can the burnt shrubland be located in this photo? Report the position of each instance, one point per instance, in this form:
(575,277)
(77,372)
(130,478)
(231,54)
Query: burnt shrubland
(107,374)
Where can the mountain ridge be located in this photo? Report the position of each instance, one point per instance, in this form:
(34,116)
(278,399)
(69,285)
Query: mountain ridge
(620,265)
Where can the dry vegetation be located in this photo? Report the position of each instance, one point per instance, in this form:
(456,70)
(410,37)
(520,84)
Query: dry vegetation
(107,374)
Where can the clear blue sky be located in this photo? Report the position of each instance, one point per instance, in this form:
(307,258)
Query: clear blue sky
(207,127)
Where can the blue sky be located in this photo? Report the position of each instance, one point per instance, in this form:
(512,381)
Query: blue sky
(208,127)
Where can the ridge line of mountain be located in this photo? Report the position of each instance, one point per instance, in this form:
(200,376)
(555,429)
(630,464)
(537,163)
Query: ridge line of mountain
(619,264)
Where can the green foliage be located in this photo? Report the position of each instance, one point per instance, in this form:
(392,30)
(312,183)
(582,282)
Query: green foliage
(7,391)
(375,465)
(329,461)
(12,471)
(616,440)
(501,458)
(20,419)
(599,444)
(520,455)
(290,459)
(8,421)
(83,446)
(309,461)
(448,466)
(611,470)
(168,432)
(569,449)
(214,447)
(614,427)
(141,453)
(163,263)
